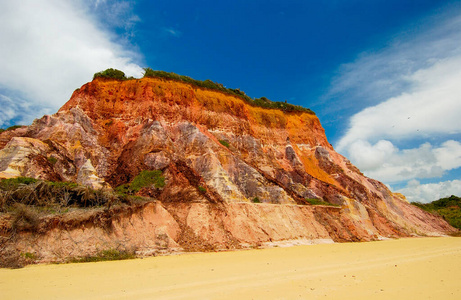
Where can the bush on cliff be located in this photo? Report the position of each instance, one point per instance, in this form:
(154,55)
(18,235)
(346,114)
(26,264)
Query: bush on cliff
(314,201)
(144,179)
(11,128)
(54,196)
(106,255)
(224,143)
(208,84)
(110,74)
(449,208)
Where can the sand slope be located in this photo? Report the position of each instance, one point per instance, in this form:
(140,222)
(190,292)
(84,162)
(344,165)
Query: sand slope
(420,268)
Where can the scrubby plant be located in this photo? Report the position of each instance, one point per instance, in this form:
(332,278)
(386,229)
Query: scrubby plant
(449,208)
(14,127)
(255,200)
(54,196)
(11,128)
(314,201)
(106,255)
(25,218)
(13,183)
(110,74)
(29,255)
(52,160)
(224,143)
(208,84)
(144,179)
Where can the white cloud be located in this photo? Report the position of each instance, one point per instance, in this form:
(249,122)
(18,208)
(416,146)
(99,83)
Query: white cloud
(371,157)
(49,48)
(416,192)
(19,110)
(432,107)
(410,92)
(116,13)
(385,162)
(385,73)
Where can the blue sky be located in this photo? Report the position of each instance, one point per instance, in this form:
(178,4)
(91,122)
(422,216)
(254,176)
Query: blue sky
(383,76)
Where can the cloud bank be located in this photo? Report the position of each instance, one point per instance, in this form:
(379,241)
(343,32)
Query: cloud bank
(432,106)
(390,164)
(425,193)
(49,48)
(410,126)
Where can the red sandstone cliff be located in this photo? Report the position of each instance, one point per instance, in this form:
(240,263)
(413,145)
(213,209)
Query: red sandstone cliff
(109,131)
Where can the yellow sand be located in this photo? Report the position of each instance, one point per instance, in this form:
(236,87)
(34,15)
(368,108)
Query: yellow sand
(397,269)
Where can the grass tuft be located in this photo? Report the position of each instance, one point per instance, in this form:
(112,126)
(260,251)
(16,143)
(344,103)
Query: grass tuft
(106,255)
(449,208)
(144,179)
(224,143)
(314,201)
(208,84)
(255,200)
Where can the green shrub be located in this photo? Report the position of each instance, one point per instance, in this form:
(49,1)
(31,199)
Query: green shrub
(449,208)
(255,200)
(106,255)
(52,160)
(208,84)
(53,196)
(110,73)
(224,143)
(124,189)
(11,128)
(201,189)
(13,183)
(314,201)
(64,184)
(14,127)
(144,179)
(29,255)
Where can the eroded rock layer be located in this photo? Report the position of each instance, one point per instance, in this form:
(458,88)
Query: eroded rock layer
(218,155)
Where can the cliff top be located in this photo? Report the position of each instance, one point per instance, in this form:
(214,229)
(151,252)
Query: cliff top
(205,84)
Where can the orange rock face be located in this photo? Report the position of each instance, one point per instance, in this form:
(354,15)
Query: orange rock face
(109,131)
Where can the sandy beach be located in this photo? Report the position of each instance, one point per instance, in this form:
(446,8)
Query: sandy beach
(419,268)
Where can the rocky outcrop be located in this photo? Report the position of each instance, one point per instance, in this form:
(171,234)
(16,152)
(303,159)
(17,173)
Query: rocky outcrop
(218,154)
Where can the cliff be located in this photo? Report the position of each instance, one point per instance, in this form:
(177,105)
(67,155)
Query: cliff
(218,154)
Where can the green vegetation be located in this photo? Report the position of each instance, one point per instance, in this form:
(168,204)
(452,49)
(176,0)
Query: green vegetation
(110,74)
(14,183)
(29,255)
(106,255)
(27,197)
(449,208)
(11,128)
(144,179)
(224,143)
(314,201)
(52,160)
(201,189)
(28,200)
(208,84)
(255,200)
(14,127)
